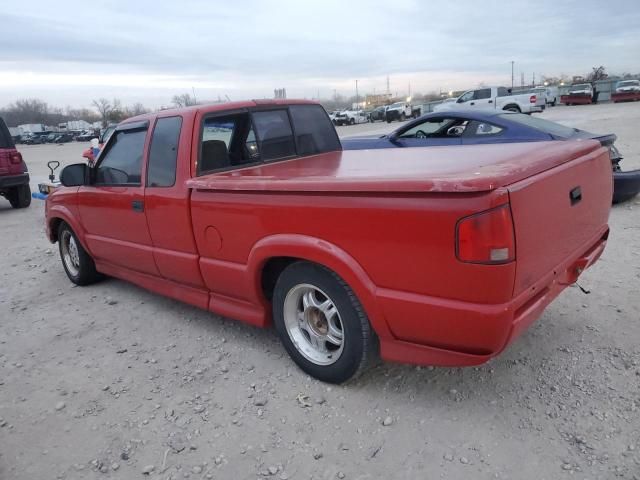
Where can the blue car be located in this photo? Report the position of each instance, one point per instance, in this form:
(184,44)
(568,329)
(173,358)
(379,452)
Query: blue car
(479,127)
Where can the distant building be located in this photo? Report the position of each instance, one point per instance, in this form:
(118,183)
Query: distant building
(74,125)
(31,128)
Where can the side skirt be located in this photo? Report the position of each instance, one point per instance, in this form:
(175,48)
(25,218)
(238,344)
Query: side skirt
(201,298)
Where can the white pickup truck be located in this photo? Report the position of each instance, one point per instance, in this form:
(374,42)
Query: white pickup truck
(401,111)
(499,98)
(350,117)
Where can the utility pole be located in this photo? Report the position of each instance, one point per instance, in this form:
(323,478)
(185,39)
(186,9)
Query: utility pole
(512,62)
(409,89)
(357,97)
(388,91)
(533,79)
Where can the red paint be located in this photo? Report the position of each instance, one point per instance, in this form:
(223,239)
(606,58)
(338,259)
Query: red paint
(625,97)
(576,99)
(384,220)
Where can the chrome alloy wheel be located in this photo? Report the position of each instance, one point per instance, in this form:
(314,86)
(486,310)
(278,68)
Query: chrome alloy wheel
(313,323)
(70,254)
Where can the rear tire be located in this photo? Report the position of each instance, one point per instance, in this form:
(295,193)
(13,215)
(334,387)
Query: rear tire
(513,108)
(77,263)
(321,323)
(19,197)
(352,121)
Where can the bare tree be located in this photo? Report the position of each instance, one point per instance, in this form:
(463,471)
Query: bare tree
(104,108)
(184,100)
(136,109)
(597,73)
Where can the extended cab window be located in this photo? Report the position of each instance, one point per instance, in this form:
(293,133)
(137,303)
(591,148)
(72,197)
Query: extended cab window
(314,130)
(275,137)
(227,141)
(482,94)
(121,163)
(163,153)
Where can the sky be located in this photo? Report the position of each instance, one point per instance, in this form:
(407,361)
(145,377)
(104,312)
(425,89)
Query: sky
(71,52)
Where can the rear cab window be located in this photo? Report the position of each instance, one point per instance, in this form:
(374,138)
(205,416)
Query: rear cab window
(262,135)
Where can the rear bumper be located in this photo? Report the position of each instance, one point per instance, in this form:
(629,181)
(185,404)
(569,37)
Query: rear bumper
(437,331)
(626,185)
(14,180)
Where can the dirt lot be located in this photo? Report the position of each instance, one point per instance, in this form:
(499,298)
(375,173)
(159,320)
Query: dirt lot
(109,380)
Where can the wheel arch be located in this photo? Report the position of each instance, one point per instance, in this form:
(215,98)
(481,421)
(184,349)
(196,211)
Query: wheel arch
(271,255)
(512,105)
(58,214)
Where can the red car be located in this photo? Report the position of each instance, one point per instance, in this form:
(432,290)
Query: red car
(14,176)
(437,256)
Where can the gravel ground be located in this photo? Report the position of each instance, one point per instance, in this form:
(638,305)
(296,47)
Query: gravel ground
(111,381)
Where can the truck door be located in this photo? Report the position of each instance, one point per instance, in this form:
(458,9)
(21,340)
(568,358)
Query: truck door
(112,206)
(167,202)
(482,99)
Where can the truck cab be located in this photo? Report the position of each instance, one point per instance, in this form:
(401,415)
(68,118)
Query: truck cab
(253,211)
(500,98)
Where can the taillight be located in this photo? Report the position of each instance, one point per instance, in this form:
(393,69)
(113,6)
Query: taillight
(15,157)
(532,99)
(486,237)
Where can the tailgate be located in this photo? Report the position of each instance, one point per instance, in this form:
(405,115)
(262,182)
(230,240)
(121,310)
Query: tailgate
(557,212)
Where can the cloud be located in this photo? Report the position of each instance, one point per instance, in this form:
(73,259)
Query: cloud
(254,46)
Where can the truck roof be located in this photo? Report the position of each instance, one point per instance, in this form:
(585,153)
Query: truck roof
(221,107)
(467,168)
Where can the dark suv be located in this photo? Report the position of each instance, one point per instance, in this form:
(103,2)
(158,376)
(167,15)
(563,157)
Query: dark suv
(14,177)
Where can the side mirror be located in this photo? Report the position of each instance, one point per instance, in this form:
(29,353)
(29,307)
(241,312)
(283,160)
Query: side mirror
(74,175)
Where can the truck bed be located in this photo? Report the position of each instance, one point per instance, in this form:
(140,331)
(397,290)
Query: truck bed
(472,168)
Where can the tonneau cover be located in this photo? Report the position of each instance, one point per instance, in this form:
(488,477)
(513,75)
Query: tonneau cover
(471,168)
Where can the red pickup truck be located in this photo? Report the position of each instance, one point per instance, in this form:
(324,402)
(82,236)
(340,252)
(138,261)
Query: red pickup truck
(434,256)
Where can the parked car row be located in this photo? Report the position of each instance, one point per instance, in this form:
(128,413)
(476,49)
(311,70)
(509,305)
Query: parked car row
(399,111)
(38,138)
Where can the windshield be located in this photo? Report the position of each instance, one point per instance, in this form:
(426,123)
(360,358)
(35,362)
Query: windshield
(396,105)
(552,128)
(629,83)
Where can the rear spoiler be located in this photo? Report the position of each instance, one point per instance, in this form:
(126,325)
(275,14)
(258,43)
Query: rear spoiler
(606,140)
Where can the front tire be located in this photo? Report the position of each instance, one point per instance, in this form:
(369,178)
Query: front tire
(20,197)
(321,323)
(78,265)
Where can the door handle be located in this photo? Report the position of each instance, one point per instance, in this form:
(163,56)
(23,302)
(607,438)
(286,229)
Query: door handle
(472,103)
(490,101)
(137,206)
(575,195)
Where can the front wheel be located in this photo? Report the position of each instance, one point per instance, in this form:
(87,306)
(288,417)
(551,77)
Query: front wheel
(20,197)
(79,266)
(321,323)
